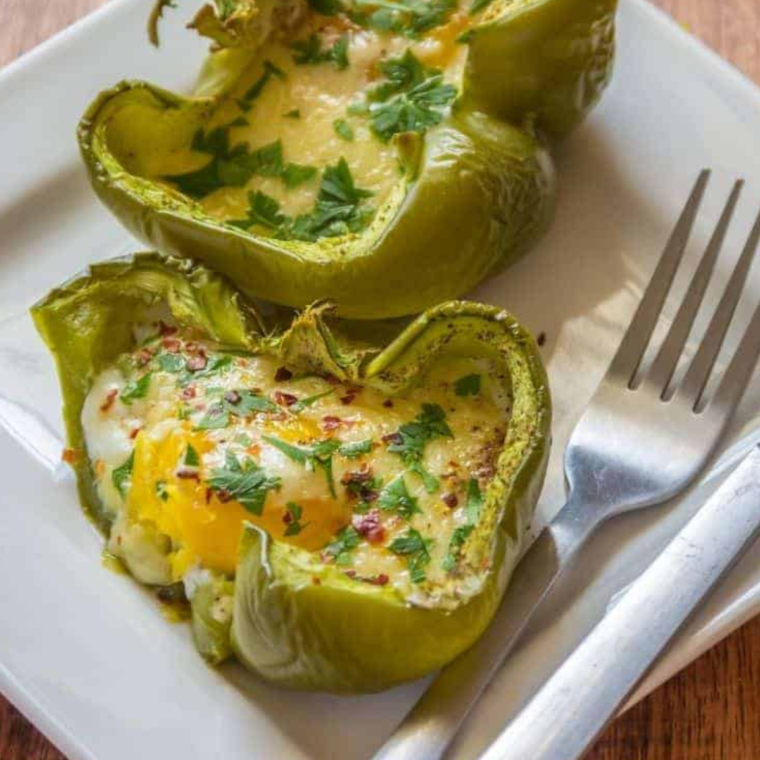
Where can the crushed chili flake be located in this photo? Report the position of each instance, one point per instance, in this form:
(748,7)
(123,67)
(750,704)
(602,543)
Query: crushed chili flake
(316,581)
(378,580)
(285,399)
(232,397)
(329,422)
(196,363)
(348,399)
(71,456)
(388,404)
(109,399)
(188,473)
(223,495)
(133,433)
(450,500)
(332,380)
(369,526)
(172,345)
(287,518)
(282,375)
(209,493)
(144,356)
(350,573)
(393,438)
(541,340)
(188,392)
(164,329)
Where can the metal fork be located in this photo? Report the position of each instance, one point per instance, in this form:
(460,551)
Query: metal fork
(641,441)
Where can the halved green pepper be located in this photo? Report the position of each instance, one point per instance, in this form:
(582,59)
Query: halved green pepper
(477,189)
(297,620)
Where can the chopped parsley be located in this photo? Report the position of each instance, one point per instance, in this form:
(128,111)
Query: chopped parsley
(170,362)
(135,389)
(478,5)
(357,449)
(235,403)
(326,7)
(234,166)
(245,482)
(318,455)
(294,114)
(310,51)
(161,491)
(343,130)
(395,497)
(474,501)
(417,551)
(411,100)
(215,363)
(345,542)
(191,457)
(409,17)
(121,476)
(257,87)
(411,439)
(339,209)
(458,537)
(293,519)
(469,385)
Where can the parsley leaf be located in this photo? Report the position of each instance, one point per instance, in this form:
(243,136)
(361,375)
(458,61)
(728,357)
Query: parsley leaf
(191,457)
(458,537)
(294,175)
(170,362)
(478,5)
(416,549)
(319,455)
(345,542)
(412,438)
(412,100)
(294,114)
(309,51)
(474,501)
(245,482)
(395,497)
(135,389)
(294,514)
(409,17)
(238,403)
(121,476)
(257,87)
(343,130)
(262,210)
(326,7)
(161,491)
(469,385)
(357,449)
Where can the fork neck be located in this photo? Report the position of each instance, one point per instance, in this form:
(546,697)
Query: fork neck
(574,524)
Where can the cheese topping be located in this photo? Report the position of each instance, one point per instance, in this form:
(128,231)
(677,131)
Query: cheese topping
(189,442)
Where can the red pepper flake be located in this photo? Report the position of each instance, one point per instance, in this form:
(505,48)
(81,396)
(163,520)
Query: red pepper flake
(188,473)
(282,375)
(369,526)
(333,380)
(71,456)
(378,580)
(450,500)
(188,392)
(329,422)
(209,493)
(541,340)
(232,397)
(196,363)
(223,495)
(285,399)
(388,404)
(164,329)
(109,399)
(133,433)
(316,581)
(350,573)
(172,345)
(287,518)
(393,438)
(348,399)
(144,356)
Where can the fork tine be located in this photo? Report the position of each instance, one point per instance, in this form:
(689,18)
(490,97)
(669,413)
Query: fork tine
(737,375)
(629,354)
(666,361)
(699,370)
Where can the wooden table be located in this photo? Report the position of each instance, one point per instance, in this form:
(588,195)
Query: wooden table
(710,711)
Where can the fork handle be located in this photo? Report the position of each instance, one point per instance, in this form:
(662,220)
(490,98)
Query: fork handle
(581,698)
(428,729)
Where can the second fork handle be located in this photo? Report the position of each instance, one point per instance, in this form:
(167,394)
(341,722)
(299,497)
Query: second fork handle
(429,728)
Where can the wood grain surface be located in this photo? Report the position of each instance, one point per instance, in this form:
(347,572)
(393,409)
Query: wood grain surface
(710,711)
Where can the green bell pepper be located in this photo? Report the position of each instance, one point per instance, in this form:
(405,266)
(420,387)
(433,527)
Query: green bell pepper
(476,191)
(285,613)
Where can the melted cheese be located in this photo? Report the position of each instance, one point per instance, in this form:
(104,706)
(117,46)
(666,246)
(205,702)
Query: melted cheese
(169,520)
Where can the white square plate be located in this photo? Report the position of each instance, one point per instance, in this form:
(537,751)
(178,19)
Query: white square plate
(85,653)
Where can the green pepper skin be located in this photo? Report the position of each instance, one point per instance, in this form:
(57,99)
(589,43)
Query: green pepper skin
(296,620)
(478,192)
